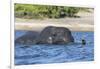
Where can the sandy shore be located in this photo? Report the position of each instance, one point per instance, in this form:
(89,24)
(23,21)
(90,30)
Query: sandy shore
(39,26)
(84,23)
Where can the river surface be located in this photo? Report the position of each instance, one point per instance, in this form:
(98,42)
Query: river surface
(45,54)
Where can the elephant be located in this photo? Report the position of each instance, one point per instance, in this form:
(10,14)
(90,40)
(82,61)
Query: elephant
(55,35)
(49,35)
(28,38)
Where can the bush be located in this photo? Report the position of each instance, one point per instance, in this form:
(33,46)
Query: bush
(44,11)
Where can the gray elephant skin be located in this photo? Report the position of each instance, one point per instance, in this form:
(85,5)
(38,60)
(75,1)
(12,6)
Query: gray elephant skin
(49,35)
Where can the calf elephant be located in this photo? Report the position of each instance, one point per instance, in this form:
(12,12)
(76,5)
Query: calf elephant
(49,35)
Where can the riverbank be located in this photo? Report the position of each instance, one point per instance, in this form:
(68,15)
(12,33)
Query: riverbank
(84,23)
(39,26)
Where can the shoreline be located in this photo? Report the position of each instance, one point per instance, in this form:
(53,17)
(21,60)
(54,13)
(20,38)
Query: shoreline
(41,26)
(84,23)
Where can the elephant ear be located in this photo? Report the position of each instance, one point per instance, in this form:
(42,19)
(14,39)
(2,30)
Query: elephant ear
(69,35)
(45,34)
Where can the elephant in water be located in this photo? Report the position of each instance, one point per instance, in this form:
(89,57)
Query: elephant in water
(28,38)
(49,35)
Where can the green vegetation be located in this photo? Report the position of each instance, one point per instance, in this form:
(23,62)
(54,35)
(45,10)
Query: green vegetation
(44,11)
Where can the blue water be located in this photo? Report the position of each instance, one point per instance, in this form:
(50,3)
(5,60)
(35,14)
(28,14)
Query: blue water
(44,54)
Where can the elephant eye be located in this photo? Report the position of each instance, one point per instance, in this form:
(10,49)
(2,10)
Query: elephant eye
(54,34)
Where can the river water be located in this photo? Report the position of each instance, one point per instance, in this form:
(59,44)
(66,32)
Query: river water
(45,54)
